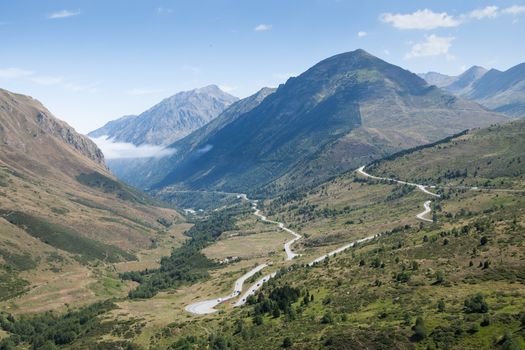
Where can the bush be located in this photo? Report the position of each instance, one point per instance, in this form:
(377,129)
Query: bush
(419,329)
(327,318)
(441,305)
(476,304)
(402,277)
(287,342)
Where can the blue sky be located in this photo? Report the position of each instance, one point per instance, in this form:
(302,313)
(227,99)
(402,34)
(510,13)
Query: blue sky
(95,60)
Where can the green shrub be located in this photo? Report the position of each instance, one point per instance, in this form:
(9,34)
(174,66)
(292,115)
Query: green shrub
(476,304)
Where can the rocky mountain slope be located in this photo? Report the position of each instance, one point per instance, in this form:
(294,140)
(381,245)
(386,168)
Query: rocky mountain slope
(61,211)
(345,111)
(169,120)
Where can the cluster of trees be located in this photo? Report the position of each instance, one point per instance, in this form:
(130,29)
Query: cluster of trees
(48,330)
(399,191)
(186,264)
(279,300)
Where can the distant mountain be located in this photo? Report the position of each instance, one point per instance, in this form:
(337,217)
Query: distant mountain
(459,84)
(345,111)
(61,209)
(169,120)
(146,171)
(438,79)
(463,83)
(501,91)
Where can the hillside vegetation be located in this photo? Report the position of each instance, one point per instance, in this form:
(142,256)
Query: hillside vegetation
(454,283)
(65,221)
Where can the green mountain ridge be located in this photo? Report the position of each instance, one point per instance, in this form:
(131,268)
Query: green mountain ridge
(345,111)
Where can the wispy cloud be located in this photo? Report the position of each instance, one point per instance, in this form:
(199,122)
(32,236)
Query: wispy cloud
(513,10)
(143,91)
(63,14)
(47,80)
(421,19)
(361,34)
(91,87)
(204,149)
(262,27)
(164,11)
(486,12)
(433,45)
(427,19)
(123,150)
(14,73)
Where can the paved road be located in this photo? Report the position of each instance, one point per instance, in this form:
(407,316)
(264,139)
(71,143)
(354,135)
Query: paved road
(253,289)
(208,306)
(422,188)
(421,216)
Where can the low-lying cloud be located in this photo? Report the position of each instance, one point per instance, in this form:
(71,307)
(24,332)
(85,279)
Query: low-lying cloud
(124,150)
(204,149)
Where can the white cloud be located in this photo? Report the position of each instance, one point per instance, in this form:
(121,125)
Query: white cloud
(386,51)
(13,73)
(432,46)
(421,19)
(513,10)
(47,80)
(362,34)
(143,91)
(164,11)
(487,12)
(82,87)
(204,149)
(123,150)
(262,27)
(63,14)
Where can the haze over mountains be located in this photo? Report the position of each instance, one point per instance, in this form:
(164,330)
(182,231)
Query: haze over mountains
(499,91)
(345,111)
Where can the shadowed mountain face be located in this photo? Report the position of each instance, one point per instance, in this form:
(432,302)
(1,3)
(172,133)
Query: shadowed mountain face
(341,113)
(144,172)
(169,120)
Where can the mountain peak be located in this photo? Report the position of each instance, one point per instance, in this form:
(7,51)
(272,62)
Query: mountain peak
(171,119)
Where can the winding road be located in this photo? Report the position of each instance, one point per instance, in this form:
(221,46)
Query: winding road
(421,216)
(208,306)
(422,188)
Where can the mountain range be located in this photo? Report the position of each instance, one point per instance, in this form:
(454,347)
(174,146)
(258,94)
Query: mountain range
(501,91)
(170,119)
(345,111)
